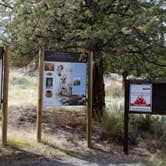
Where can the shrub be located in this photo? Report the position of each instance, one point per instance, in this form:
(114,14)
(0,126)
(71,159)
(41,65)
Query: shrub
(113,126)
(142,123)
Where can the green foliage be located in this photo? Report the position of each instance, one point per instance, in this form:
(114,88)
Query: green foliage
(129,33)
(152,125)
(113,125)
(140,47)
(143,123)
(144,126)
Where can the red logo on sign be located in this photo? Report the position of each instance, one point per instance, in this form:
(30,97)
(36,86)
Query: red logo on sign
(140,101)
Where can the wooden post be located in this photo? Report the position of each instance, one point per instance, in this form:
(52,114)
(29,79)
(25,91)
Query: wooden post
(126,119)
(5,96)
(40,95)
(124,78)
(90,99)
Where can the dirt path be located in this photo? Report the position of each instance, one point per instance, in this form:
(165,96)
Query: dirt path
(64,142)
(19,157)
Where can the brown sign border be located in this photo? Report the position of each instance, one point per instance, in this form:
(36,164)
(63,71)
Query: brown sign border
(89,61)
(127,90)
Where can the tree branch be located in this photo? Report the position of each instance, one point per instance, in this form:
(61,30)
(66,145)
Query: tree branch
(6,5)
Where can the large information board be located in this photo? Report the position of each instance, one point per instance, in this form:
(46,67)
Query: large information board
(64,79)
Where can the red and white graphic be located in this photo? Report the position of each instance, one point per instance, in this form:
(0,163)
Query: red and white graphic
(140,97)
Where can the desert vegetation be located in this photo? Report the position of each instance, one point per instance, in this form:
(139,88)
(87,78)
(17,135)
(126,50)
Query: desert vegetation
(125,37)
(65,131)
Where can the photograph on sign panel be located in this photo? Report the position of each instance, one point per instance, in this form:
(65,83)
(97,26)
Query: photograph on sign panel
(49,67)
(49,83)
(48,93)
(140,97)
(64,84)
(76,82)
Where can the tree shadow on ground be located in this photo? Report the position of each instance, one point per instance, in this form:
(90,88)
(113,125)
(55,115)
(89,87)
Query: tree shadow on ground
(13,156)
(94,156)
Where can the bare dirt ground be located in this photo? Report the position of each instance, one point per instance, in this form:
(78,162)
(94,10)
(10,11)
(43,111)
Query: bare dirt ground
(63,142)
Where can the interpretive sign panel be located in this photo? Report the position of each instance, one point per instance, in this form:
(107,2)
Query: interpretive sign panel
(64,79)
(140,97)
(143,96)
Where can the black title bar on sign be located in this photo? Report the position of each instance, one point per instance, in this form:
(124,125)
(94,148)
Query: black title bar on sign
(1,52)
(65,57)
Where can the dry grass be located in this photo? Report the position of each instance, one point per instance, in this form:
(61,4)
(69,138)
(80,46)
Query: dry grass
(114,95)
(20,139)
(25,92)
(22,89)
(23,145)
(23,140)
(114,109)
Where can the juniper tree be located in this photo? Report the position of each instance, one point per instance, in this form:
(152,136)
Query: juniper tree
(123,35)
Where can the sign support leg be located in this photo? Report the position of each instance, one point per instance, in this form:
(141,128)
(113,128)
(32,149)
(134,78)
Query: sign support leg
(126,133)
(5,97)
(40,95)
(90,94)
(126,119)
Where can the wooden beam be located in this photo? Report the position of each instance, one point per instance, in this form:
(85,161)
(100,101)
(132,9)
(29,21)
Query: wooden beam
(126,116)
(40,95)
(5,96)
(90,98)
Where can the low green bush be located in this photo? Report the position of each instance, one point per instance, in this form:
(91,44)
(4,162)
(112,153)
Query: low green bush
(113,126)
(148,126)
(145,126)
(142,123)
(147,123)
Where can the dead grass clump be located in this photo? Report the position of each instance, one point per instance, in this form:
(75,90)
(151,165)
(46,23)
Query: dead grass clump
(63,117)
(114,89)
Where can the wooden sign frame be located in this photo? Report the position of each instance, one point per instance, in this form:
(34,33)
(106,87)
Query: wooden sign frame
(155,108)
(5,82)
(40,97)
(2,58)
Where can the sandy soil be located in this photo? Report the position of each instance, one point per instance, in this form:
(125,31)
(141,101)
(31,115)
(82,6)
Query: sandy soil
(63,141)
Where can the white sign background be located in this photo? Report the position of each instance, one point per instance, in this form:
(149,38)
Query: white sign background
(140,97)
(64,83)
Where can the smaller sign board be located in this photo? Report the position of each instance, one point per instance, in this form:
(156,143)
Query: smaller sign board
(143,96)
(140,97)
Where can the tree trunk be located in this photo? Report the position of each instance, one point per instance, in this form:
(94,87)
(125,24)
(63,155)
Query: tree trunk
(98,85)
(96,45)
